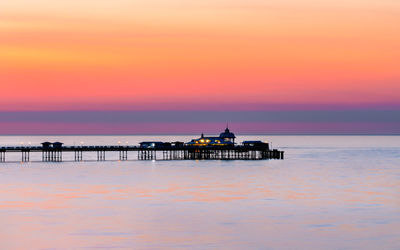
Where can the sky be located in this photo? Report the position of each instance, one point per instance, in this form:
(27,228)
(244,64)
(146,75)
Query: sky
(316,61)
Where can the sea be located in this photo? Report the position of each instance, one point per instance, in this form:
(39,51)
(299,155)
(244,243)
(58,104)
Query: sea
(330,192)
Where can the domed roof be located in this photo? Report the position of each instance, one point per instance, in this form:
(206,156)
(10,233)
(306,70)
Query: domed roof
(227,134)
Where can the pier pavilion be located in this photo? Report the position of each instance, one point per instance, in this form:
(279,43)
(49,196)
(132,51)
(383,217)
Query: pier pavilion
(226,138)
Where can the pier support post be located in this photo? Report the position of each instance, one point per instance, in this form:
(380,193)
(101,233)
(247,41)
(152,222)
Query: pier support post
(25,156)
(2,156)
(123,155)
(52,155)
(101,155)
(57,157)
(78,155)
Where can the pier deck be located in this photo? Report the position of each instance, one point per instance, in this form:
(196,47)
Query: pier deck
(237,152)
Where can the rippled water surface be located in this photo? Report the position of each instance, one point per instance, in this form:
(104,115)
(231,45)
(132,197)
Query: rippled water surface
(330,192)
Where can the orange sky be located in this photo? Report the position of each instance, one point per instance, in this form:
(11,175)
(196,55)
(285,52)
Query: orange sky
(65,53)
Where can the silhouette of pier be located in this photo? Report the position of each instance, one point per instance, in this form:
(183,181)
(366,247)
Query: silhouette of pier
(54,152)
(222,147)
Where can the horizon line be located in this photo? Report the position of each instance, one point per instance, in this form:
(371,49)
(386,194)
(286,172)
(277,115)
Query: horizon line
(244,134)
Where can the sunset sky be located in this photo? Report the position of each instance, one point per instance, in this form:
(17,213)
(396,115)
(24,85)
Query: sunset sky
(281,58)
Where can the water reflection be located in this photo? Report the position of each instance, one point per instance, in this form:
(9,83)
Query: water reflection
(323,199)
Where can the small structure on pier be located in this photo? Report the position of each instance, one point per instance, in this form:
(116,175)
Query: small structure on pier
(46,144)
(151,144)
(175,144)
(258,144)
(226,138)
(52,145)
(52,151)
(57,144)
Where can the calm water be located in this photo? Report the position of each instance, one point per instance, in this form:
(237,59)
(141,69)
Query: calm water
(331,192)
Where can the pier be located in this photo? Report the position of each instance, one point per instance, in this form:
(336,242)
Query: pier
(183,152)
(222,147)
